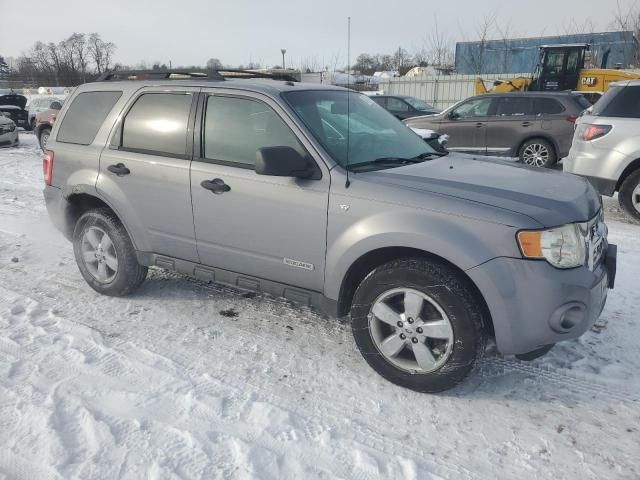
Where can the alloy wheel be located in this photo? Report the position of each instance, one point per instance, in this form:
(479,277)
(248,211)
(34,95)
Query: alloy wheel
(99,255)
(410,330)
(536,155)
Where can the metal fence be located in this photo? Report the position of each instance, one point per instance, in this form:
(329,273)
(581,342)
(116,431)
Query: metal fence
(441,91)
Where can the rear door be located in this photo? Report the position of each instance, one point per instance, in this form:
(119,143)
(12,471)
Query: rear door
(466,125)
(144,172)
(513,122)
(265,227)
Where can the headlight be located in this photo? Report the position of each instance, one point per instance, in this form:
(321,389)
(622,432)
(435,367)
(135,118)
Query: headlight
(562,247)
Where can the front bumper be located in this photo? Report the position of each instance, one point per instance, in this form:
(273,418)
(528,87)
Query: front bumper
(533,304)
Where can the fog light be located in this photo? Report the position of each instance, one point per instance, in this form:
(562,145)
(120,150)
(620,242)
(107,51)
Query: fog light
(568,317)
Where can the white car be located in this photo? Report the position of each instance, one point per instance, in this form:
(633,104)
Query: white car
(8,132)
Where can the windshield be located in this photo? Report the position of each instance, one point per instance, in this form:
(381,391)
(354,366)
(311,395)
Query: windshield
(373,132)
(418,104)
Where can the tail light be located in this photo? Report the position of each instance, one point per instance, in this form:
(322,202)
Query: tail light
(47,166)
(590,132)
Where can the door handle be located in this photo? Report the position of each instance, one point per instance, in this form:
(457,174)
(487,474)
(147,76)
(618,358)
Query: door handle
(526,124)
(216,185)
(480,125)
(119,169)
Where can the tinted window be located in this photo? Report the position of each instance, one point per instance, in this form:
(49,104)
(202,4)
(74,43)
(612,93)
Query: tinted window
(157,123)
(547,106)
(382,101)
(85,116)
(619,102)
(478,107)
(235,128)
(397,105)
(513,106)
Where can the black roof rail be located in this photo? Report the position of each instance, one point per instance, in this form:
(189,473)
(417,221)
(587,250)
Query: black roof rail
(116,75)
(213,75)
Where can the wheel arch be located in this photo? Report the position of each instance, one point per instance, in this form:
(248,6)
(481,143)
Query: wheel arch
(629,169)
(369,261)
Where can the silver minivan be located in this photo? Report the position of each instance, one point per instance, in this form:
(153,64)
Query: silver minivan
(606,145)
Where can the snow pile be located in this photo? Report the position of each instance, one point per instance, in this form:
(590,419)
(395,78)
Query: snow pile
(185,380)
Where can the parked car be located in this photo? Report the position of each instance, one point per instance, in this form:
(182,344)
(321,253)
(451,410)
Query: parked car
(40,104)
(437,141)
(8,132)
(14,104)
(606,145)
(45,120)
(269,186)
(537,127)
(403,106)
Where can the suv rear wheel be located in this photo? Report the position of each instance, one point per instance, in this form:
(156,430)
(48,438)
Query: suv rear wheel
(538,152)
(418,324)
(105,254)
(629,195)
(44,137)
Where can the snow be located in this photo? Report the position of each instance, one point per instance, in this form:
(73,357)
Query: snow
(185,380)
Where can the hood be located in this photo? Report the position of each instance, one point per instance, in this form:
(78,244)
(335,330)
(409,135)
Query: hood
(549,197)
(19,101)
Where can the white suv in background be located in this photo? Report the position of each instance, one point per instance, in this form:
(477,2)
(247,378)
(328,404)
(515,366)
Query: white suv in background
(606,145)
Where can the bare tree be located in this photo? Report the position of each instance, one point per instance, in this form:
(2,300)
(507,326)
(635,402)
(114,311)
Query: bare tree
(626,17)
(213,64)
(437,47)
(475,57)
(101,53)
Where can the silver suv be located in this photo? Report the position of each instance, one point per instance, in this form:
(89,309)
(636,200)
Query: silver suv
(318,195)
(606,145)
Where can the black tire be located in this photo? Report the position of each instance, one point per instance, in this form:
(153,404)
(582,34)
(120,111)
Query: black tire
(545,145)
(31,125)
(130,274)
(43,137)
(626,196)
(452,292)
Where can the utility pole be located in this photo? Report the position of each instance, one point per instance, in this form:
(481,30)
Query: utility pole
(283,50)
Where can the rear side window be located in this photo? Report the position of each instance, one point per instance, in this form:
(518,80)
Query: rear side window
(619,102)
(157,124)
(86,114)
(397,105)
(513,106)
(382,101)
(547,106)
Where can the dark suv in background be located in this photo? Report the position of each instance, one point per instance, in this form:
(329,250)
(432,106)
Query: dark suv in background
(537,127)
(404,106)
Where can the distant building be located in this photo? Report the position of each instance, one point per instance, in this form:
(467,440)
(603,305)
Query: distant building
(520,55)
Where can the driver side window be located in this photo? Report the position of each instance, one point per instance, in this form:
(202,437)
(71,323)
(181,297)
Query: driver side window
(478,107)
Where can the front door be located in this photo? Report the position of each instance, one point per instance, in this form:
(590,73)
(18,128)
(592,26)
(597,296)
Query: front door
(144,172)
(466,125)
(267,227)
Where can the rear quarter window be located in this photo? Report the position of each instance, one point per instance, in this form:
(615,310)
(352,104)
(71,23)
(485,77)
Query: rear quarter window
(85,115)
(547,106)
(619,102)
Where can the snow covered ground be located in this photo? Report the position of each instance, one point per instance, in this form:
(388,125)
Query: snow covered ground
(185,380)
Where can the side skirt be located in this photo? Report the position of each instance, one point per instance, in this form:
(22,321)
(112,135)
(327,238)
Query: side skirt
(241,281)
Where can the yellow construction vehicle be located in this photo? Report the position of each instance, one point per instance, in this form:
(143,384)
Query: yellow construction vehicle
(562,67)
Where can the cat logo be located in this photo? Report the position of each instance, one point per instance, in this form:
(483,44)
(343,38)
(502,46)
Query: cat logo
(589,81)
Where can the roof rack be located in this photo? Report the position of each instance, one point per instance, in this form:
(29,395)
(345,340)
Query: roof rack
(211,75)
(116,75)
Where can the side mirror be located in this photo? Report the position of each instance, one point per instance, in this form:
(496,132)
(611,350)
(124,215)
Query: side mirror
(453,116)
(283,162)
(55,106)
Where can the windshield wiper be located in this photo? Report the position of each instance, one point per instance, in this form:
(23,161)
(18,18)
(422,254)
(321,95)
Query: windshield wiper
(390,161)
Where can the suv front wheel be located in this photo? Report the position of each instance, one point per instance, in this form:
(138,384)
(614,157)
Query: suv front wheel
(629,195)
(105,254)
(418,324)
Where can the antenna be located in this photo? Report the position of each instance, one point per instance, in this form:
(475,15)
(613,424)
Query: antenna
(348,182)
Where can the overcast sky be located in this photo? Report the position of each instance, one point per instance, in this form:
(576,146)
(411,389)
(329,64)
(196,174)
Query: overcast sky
(239,31)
